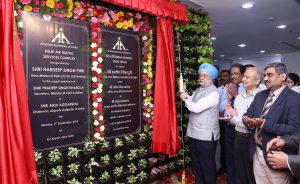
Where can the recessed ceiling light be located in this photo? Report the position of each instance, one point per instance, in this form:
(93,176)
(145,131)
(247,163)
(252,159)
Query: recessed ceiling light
(262,51)
(222,55)
(242,45)
(247,5)
(281,26)
(213,38)
(215,60)
(240,58)
(299,38)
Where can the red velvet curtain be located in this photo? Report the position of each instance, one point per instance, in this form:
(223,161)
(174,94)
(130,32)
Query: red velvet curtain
(17,165)
(165,131)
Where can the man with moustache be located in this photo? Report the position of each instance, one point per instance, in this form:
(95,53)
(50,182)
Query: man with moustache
(243,165)
(229,93)
(203,126)
(273,112)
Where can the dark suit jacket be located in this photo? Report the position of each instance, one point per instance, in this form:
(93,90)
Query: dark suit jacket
(283,117)
(293,141)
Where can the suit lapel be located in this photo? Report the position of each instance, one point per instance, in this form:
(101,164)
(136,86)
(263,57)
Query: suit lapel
(280,98)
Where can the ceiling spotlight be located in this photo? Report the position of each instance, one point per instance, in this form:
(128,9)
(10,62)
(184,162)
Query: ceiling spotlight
(222,55)
(247,5)
(299,38)
(242,45)
(213,38)
(240,58)
(281,26)
(262,51)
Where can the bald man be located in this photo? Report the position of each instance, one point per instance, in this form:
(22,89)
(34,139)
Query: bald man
(243,165)
(203,127)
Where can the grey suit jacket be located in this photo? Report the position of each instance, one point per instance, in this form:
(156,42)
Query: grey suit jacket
(293,141)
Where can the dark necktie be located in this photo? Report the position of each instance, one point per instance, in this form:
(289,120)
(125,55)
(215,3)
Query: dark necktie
(268,104)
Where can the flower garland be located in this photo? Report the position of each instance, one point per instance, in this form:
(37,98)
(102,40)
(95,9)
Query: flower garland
(97,15)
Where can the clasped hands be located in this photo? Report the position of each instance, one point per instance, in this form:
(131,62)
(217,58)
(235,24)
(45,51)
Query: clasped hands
(277,159)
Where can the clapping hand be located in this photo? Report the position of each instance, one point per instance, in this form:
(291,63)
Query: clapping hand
(229,110)
(253,122)
(232,91)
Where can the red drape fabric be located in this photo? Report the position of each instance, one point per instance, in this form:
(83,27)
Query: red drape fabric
(160,8)
(165,131)
(17,163)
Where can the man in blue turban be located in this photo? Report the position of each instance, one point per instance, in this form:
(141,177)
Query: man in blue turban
(203,127)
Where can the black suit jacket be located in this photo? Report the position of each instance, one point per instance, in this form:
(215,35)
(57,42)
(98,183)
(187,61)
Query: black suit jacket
(293,141)
(283,117)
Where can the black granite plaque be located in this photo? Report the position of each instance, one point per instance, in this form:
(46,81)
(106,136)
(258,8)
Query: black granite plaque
(57,80)
(122,86)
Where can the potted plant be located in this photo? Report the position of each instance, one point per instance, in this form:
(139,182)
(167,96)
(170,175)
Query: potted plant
(38,161)
(73,181)
(103,146)
(104,160)
(118,144)
(131,179)
(53,159)
(55,175)
(129,140)
(142,177)
(143,137)
(89,151)
(118,173)
(89,180)
(90,167)
(132,168)
(72,155)
(118,158)
(105,178)
(142,151)
(133,153)
(72,171)
(41,177)
(142,164)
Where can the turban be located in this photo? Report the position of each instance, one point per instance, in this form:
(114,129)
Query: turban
(210,70)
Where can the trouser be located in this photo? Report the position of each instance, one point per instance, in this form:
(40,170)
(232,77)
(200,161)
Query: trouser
(229,153)
(264,175)
(203,161)
(243,165)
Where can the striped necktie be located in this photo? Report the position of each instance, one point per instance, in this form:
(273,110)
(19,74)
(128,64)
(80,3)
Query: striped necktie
(268,104)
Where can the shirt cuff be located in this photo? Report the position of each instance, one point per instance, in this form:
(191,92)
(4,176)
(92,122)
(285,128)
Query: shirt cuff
(289,166)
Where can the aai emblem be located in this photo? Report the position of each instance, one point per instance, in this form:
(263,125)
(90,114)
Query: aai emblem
(60,38)
(119,45)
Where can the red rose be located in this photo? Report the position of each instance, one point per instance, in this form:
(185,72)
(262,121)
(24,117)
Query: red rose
(99,95)
(94,85)
(97,129)
(102,133)
(121,18)
(94,49)
(95,117)
(94,95)
(99,65)
(94,99)
(94,58)
(101,123)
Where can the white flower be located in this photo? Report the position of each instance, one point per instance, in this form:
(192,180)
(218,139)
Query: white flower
(97,135)
(99,99)
(20,24)
(94,54)
(95,64)
(100,85)
(99,90)
(94,79)
(145,64)
(15,13)
(146,103)
(94,68)
(148,115)
(96,123)
(99,70)
(151,105)
(100,118)
(145,71)
(95,91)
(102,128)
(94,45)
(95,112)
(144,38)
(144,94)
(95,104)
(100,59)
(99,50)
